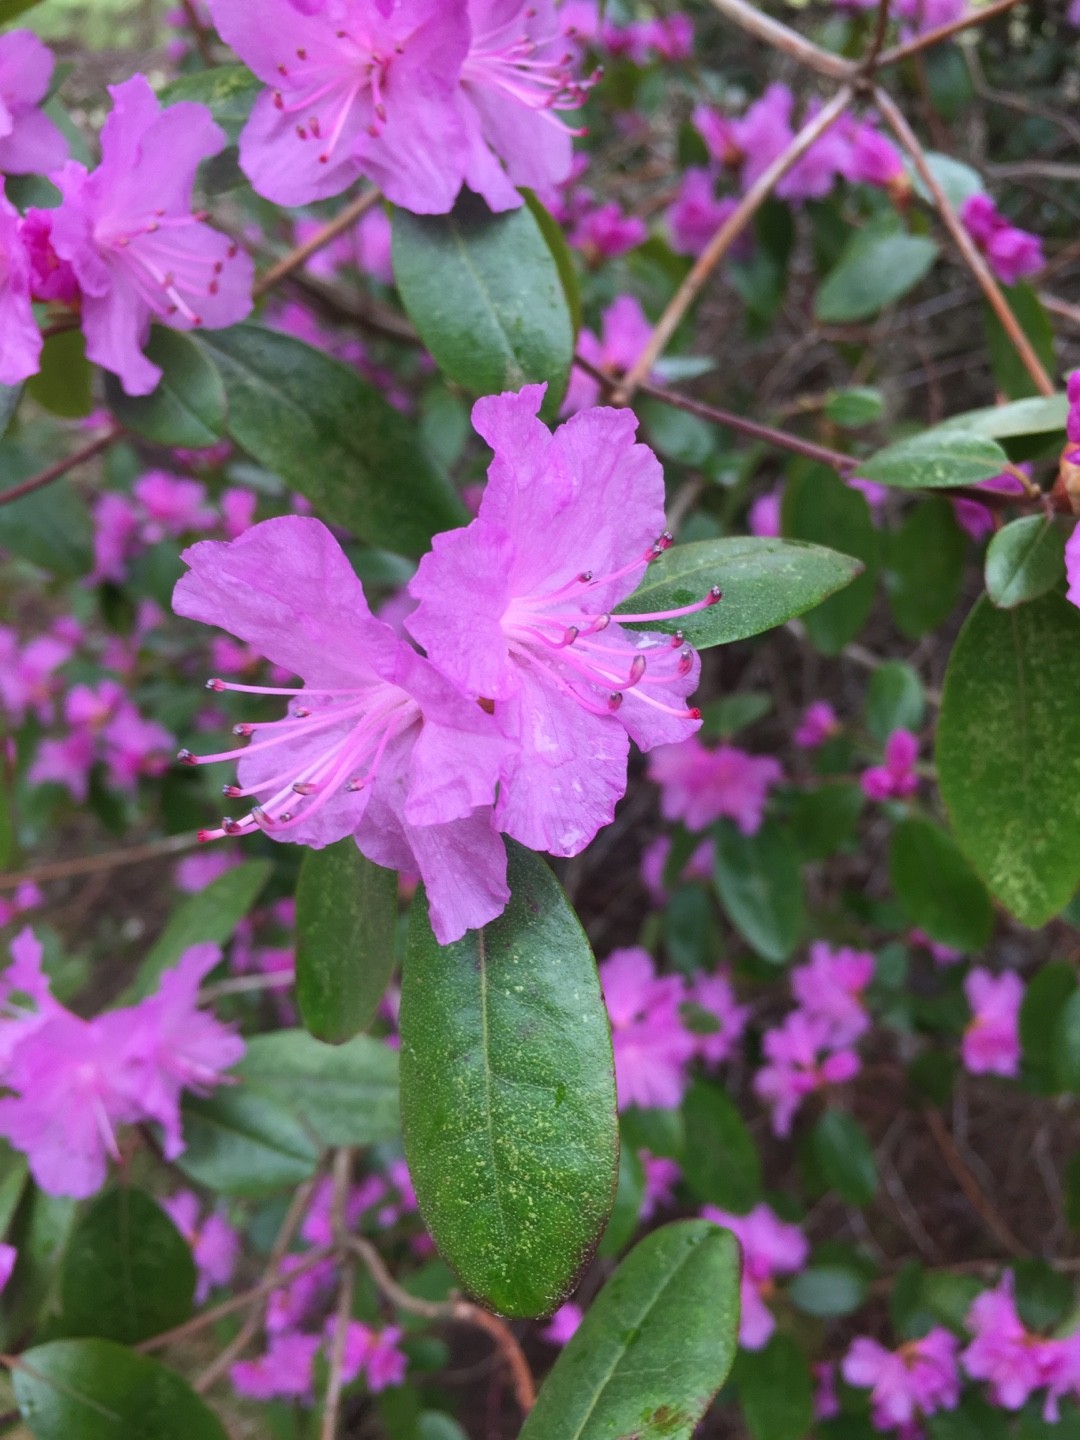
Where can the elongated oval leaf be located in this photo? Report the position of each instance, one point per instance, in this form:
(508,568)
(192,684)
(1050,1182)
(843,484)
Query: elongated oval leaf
(188,406)
(655,1345)
(776,1390)
(1008,752)
(1037,415)
(228,91)
(759,885)
(484,291)
(936,460)
(341,1094)
(936,886)
(346,908)
(1024,561)
(333,437)
(98,1390)
(874,271)
(925,567)
(50,527)
(764,582)
(128,1272)
(722,1164)
(845,1157)
(243,1142)
(820,507)
(508,1094)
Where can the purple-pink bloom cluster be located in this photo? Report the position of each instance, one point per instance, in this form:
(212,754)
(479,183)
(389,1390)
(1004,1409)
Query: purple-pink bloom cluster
(906,1385)
(1013,254)
(991,1043)
(699,785)
(770,1247)
(896,778)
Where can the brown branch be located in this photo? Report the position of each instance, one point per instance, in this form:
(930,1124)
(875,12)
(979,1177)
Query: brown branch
(943,32)
(755,22)
(950,1153)
(873,50)
(110,860)
(336,1381)
(297,258)
(202,36)
(976,263)
(725,237)
(61,467)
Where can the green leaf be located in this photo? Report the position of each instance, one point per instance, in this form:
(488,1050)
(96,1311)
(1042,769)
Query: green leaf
(63,384)
(555,238)
(895,700)
(722,1164)
(211,916)
(229,91)
(1008,752)
(776,1390)
(1072,1191)
(508,1094)
(341,1094)
(98,1390)
(824,819)
(759,885)
(654,1347)
(128,1273)
(844,1157)
(855,407)
(936,460)
(346,910)
(959,181)
(333,437)
(1047,996)
(1010,372)
(39,1232)
(486,295)
(818,506)
(11,9)
(242,1142)
(828,1291)
(1024,560)
(188,407)
(925,567)
(877,268)
(726,717)
(764,582)
(1037,415)
(936,886)
(50,527)
(10,395)
(629,1195)
(1066,1047)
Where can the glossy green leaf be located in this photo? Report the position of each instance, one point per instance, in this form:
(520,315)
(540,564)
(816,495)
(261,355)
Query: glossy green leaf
(824,819)
(346,910)
(243,1142)
(1024,560)
(10,395)
(925,567)
(228,91)
(128,1273)
(938,889)
(211,916)
(1037,415)
(828,1291)
(557,243)
(50,527)
(1047,996)
(722,1164)
(818,506)
(485,293)
(63,384)
(98,1390)
(895,700)
(39,1232)
(959,181)
(508,1094)
(936,460)
(1066,1047)
(759,885)
(11,9)
(333,437)
(855,407)
(776,1390)
(188,407)
(877,268)
(340,1094)
(844,1157)
(1008,752)
(764,582)
(654,1347)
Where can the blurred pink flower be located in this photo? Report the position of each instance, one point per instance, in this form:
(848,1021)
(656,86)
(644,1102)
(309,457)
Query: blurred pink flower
(214,1243)
(830,986)
(699,785)
(818,724)
(715,995)
(1012,254)
(30,142)
(652,1046)
(770,1247)
(991,1044)
(896,778)
(800,1060)
(563,1324)
(919,1379)
(624,333)
(696,213)
(286,1370)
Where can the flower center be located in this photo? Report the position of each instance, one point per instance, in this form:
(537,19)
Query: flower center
(172,276)
(323,96)
(526,69)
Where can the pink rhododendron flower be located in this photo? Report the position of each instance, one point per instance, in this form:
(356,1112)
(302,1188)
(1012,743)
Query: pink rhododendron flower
(770,1247)
(196,872)
(929,14)
(20,354)
(977,520)
(1012,254)
(66,760)
(172,506)
(830,987)
(699,785)
(370,1352)
(919,1379)
(8,1256)
(715,995)
(28,674)
(25,897)
(116,530)
(816,172)
(896,778)
(1004,1353)
(357,87)
(652,1046)
(135,746)
(136,248)
(763,518)
(818,724)
(661,1177)
(718,132)
(872,159)
(991,1044)
(602,232)
(624,333)
(826,1400)
(286,1370)
(563,1325)
(377,745)
(30,143)
(517,610)
(214,1243)
(50,277)
(696,214)
(367,247)
(766,131)
(801,1059)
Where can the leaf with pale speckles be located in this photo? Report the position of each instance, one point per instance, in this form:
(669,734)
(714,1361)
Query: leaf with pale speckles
(655,1346)
(508,1094)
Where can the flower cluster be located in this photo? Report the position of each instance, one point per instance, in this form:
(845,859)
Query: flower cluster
(699,785)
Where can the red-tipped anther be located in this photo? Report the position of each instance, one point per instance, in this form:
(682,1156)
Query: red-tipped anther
(205,836)
(693,713)
(356,784)
(686,661)
(215,684)
(302,133)
(231,826)
(244,728)
(301,53)
(301,712)
(279,100)
(660,544)
(213,287)
(571,634)
(714,595)
(186,757)
(281,70)
(313,125)
(285,816)
(231,792)
(614,700)
(304,787)
(261,816)
(585,577)
(637,670)
(233,250)
(677,639)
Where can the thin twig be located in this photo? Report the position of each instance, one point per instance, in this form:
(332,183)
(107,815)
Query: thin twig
(336,1382)
(61,467)
(202,36)
(297,258)
(877,40)
(781,37)
(242,984)
(725,237)
(943,32)
(976,263)
(950,1153)
(110,860)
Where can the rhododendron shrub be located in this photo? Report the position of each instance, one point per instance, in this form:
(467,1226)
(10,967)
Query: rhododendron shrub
(539,662)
